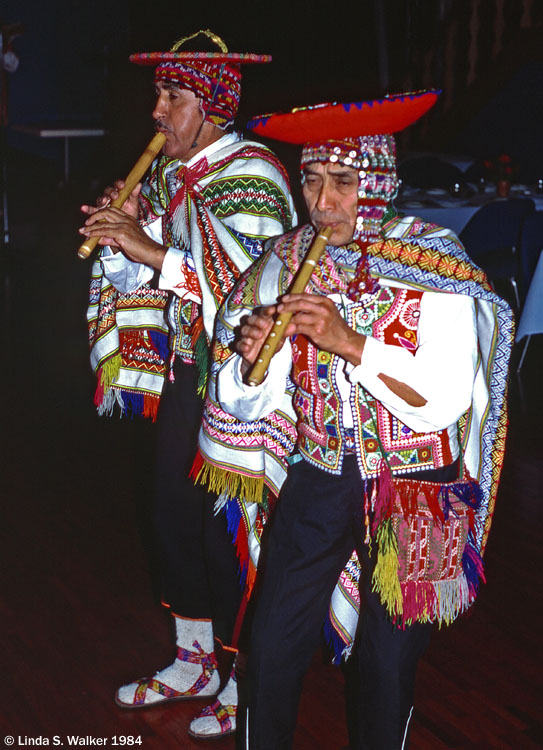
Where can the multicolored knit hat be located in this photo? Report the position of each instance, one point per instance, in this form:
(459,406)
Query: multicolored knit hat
(356,135)
(214,77)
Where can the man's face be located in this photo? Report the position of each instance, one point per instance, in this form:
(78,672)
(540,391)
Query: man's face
(331,194)
(178,115)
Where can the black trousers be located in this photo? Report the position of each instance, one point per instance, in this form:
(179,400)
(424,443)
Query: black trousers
(317,524)
(198,567)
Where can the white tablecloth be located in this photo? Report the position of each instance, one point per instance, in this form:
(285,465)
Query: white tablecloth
(455,217)
(439,207)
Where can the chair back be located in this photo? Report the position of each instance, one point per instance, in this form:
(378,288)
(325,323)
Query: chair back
(531,246)
(496,226)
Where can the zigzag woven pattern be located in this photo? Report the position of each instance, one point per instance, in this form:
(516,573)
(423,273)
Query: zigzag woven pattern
(424,257)
(275,433)
(245,184)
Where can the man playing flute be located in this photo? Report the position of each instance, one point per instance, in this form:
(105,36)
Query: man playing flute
(395,365)
(195,224)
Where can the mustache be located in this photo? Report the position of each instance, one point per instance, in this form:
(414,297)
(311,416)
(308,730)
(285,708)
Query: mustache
(323,218)
(161,127)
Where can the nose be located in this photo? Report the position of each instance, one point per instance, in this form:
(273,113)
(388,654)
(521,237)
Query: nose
(326,200)
(159,111)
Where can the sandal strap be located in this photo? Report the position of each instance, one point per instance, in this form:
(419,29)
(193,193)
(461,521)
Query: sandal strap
(199,656)
(151,683)
(208,663)
(222,713)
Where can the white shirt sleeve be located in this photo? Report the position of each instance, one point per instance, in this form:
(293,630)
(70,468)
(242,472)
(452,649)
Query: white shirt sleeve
(442,370)
(125,274)
(247,402)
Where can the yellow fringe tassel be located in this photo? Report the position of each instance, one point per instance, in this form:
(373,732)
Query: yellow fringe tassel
(385,576)
(110,372)
(219,480)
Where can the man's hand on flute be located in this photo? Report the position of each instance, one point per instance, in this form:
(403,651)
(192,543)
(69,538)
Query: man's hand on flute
(130,208)
(110,194)
(118,229)
(252,335)
(318,318)
(314,316)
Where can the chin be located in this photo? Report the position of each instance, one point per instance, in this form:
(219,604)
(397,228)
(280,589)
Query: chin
(171,150)
(340,237)
(342,234)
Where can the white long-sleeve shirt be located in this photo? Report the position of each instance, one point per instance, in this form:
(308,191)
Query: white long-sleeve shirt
(442,370)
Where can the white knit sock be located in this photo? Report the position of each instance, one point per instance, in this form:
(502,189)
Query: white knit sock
(179,679)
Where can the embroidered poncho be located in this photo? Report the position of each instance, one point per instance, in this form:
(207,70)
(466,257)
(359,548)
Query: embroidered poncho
(216,210)
(422,257)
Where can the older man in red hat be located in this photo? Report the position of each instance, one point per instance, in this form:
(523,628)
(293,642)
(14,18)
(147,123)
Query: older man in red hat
(194,226)
(394,365)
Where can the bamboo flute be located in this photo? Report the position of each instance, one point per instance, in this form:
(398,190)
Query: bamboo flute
(258,370)
(135,175)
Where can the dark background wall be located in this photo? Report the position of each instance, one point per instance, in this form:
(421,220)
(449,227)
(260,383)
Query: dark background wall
(74,59)
(74,66)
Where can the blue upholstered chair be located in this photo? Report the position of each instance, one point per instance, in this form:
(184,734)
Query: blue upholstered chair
(531,246)
(492,239)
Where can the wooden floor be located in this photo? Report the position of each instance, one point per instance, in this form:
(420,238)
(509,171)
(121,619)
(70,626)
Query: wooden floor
(77,610)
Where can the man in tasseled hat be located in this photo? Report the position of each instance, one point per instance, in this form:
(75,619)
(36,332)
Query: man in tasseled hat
(180,242)
(398,354)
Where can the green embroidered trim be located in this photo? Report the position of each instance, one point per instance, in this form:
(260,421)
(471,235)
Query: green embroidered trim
(202,361)
(246,194)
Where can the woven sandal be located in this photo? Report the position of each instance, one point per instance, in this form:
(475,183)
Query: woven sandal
(209,666)
(225,717)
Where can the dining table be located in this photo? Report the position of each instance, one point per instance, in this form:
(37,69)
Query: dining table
(454,208)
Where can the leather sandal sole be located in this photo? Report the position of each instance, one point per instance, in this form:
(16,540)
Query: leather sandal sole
(210,736)
(136,706)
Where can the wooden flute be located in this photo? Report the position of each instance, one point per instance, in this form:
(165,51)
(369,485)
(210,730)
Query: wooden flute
(258,370)
(136,173)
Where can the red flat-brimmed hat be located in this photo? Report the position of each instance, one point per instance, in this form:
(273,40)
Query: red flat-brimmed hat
(329,121)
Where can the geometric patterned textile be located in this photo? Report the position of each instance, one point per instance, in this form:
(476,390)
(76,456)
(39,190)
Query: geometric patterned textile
(217,212)
(427,567)
(390,315)
(423,257)
(427,257)
(128,336)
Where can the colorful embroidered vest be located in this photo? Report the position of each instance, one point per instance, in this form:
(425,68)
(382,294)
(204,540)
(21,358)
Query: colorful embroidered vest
(390,315)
